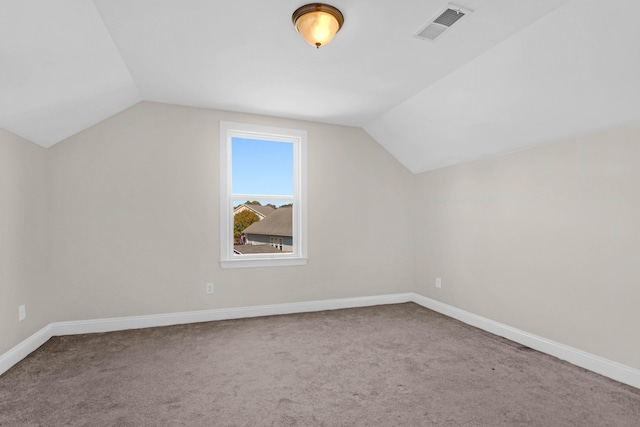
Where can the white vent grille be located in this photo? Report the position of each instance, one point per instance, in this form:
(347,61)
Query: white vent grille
(449,17)
(443,21)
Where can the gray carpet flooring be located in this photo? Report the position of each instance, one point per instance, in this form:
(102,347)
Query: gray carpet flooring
(394,365)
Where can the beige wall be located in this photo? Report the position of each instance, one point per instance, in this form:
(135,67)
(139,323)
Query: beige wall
(135,220)
(545,240)
(122,219)
(23,239)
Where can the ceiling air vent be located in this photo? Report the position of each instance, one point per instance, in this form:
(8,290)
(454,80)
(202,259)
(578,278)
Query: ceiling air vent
(443,21)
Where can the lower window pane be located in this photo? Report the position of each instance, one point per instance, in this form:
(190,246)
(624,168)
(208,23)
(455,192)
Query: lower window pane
(262,227)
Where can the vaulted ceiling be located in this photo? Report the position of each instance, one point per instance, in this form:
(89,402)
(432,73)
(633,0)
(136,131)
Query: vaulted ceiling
(510,75)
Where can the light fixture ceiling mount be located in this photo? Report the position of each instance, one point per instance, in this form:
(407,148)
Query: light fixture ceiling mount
(317,23)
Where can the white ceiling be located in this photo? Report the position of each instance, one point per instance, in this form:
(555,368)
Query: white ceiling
(573,72)
(513,74)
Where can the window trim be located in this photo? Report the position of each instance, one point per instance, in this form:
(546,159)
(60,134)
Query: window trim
(229,130)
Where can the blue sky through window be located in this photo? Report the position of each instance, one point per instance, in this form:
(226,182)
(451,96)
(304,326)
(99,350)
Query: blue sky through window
(261,167)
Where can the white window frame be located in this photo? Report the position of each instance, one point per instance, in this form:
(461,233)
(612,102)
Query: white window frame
(230,130)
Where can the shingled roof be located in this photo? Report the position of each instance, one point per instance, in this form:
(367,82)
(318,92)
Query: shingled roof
(264,210)
(277,223)
(261,211)
(255,249)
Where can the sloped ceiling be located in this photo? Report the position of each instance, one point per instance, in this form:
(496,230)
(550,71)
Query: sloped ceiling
(513,74)
(60,71)
(574,72)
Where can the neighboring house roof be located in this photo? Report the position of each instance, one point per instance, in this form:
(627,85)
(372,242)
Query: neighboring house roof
(255,249)
(261,211)
(278,223)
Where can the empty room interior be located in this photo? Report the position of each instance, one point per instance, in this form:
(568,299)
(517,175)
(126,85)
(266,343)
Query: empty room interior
(458,242)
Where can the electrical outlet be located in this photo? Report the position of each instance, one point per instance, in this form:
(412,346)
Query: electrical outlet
(22,313)
(438,282)
(209,288)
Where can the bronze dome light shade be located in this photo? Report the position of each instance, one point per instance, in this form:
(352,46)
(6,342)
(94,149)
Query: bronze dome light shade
(317,23)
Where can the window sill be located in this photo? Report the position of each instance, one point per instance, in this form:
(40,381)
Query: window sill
(263,262)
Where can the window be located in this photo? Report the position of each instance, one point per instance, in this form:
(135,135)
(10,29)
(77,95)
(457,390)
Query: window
(262,196)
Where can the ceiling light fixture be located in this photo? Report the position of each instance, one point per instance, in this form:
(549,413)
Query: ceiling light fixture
(317,23)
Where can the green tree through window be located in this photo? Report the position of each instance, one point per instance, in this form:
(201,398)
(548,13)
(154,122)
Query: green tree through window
(242,220)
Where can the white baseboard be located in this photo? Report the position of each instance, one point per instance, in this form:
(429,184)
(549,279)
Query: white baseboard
(22,350)
(608,368)
(591,362)
(137,322)
(19,352)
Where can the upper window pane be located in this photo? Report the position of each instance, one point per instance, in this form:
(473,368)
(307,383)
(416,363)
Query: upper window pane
(261,167)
